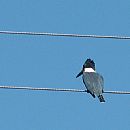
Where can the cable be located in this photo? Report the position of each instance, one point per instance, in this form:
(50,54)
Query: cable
(59,89)
(64,35)
(117,92)
(45,89)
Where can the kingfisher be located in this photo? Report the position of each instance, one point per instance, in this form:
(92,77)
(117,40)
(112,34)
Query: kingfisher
(92,80)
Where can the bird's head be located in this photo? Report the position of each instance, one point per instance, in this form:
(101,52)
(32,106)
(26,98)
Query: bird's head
(88,64)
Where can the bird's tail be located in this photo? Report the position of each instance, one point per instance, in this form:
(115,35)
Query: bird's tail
(101,98)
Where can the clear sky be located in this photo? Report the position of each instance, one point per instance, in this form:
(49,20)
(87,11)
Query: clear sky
(41,61)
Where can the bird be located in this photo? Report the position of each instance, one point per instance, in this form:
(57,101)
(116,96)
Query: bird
(93,81)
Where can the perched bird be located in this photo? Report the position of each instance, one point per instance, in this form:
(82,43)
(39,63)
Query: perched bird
(93,81)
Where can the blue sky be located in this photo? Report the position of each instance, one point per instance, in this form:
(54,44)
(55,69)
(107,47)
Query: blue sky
(41,61)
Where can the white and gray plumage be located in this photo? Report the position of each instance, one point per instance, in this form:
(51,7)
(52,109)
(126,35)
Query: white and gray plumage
(93,81)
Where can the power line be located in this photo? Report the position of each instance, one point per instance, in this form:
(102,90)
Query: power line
(59,89)
(65,35)
(117,92)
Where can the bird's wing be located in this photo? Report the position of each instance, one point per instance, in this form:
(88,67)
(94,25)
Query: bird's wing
(100,80)
(93,80)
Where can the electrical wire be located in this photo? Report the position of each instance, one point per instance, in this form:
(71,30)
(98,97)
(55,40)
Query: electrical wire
(65,35)
(59,89)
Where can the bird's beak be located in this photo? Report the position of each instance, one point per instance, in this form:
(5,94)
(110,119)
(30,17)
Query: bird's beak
(79,74)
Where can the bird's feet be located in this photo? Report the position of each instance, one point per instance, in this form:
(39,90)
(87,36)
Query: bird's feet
(91,93)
